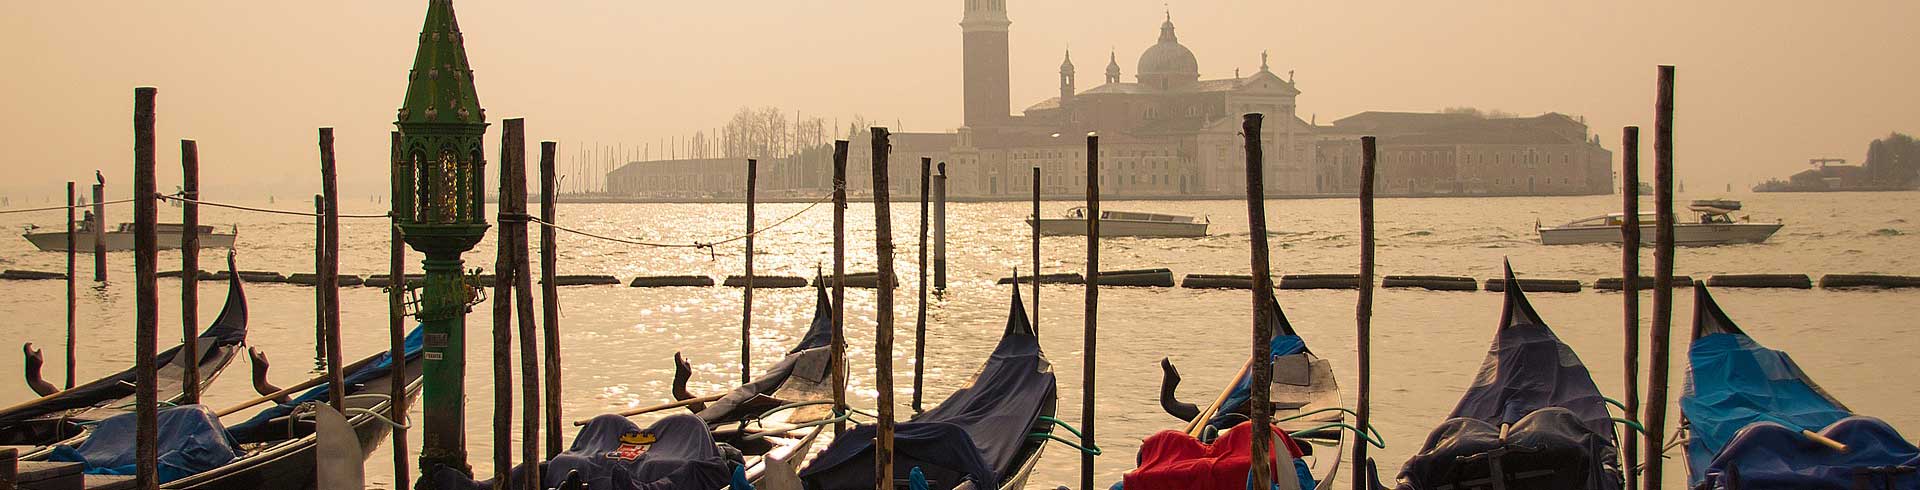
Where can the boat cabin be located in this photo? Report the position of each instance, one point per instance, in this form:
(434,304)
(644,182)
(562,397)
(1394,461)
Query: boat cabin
(1080,212)
(165,228)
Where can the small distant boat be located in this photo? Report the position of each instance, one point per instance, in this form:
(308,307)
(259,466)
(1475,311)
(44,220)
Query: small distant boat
(1715,226)
(1124,223)
(121,239)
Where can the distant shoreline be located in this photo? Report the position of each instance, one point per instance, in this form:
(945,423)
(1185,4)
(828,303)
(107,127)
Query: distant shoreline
(594,199)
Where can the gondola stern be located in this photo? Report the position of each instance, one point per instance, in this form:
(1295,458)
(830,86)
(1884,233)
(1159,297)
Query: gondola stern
(1708,318)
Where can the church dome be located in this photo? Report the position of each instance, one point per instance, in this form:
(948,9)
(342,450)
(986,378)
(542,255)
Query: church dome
(1168,59)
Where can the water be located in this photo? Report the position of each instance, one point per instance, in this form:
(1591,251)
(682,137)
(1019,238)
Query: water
(618,341)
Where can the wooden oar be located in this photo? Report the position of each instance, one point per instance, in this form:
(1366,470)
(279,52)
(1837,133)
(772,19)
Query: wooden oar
(663,406)
(1193,426)
(1824,440)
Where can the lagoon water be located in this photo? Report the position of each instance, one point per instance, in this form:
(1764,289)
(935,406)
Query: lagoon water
(618,341)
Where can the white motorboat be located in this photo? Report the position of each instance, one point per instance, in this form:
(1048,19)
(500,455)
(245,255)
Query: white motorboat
(1716,225)
(1124,223)
(121,239)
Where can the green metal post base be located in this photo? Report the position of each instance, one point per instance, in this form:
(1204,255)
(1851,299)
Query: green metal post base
(443,308)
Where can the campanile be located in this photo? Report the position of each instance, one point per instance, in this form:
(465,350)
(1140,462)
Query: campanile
(984,37)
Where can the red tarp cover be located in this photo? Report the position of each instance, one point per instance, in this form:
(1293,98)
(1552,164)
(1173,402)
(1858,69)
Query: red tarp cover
(1173,460)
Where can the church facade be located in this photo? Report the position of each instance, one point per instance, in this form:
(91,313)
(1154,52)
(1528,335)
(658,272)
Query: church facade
(1165,132)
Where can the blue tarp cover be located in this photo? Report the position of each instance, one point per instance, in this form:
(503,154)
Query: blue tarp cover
(191,441)
(1745,406)
(975,434)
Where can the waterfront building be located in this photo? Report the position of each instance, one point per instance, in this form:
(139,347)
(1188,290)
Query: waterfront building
(1438,154)
(1165,133)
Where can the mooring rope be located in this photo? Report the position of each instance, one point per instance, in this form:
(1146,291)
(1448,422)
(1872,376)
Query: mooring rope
(177,197)
(57,208)
(696,244)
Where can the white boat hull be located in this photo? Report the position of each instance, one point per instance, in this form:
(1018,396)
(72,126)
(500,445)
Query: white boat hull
(121,241)
(1683,234)
(1113,228)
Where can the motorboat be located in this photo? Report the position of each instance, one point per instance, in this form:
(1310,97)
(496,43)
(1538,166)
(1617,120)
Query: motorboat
(1716,225)
(120,239)
(1123,223)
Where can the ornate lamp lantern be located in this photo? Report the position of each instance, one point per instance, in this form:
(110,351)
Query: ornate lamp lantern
(438,202)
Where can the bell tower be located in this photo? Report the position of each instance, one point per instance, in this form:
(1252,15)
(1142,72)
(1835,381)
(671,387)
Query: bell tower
(1066,79)
(983,32)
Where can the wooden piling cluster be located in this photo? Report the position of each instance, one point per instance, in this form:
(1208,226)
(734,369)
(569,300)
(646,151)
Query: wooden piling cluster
(502,300)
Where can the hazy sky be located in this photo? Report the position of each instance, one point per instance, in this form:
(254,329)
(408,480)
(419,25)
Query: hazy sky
(1763,85)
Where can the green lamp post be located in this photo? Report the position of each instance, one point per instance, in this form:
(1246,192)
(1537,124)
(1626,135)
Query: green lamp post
(438,201)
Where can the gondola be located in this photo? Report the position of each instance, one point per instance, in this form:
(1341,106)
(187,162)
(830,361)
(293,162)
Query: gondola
(1306,406)
(1754,420)
(988,435)
(273,449)
(1532,419)
(64,415)
(760,430)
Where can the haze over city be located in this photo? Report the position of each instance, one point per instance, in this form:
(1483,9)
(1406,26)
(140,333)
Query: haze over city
(1767,85)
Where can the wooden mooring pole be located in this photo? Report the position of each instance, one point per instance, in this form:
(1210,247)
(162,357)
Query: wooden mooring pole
(146,300)
(189,272)
(1036,252)
(1090,338)
(1363,311)
(1260,407)
(73,293)
(746,304)
(396,325)
(1656,419)
(503,317)
(940,227)
(550,293)
(839,350)
(1630,292)
(920,321)
(514,205)
(330,270)
(99,224)
(319,294)
(883,333)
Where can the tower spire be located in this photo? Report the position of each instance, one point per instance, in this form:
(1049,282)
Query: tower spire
(1113,68)
(440,88)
